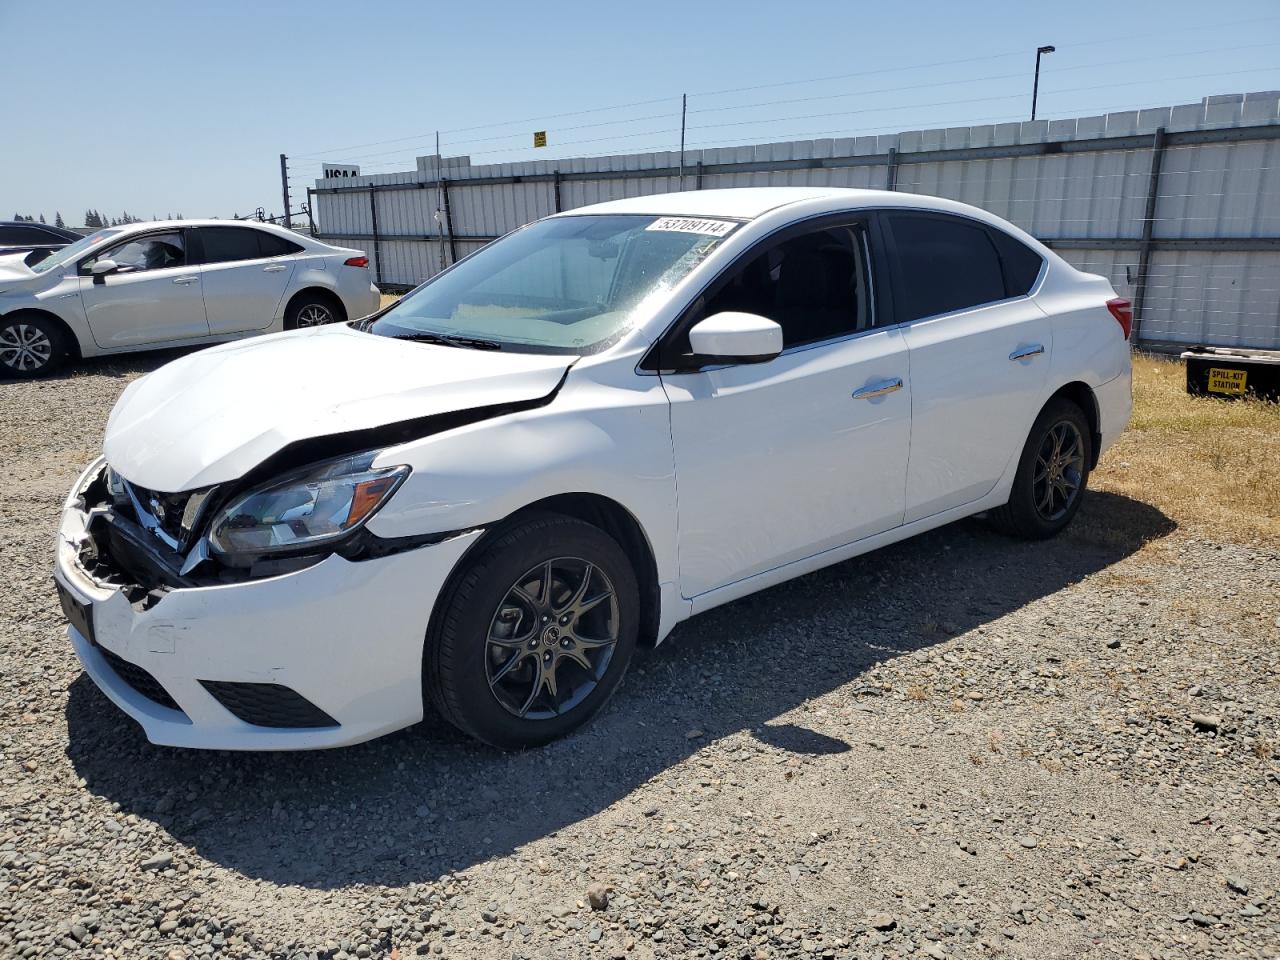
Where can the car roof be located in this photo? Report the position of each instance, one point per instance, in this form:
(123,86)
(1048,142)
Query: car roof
(744,203)
(48,227)
(208,222)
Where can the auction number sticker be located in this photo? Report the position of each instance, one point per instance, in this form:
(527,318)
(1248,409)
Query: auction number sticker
(708,228)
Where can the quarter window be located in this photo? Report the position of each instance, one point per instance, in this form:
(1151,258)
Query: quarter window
(813,285)
(942,264)
(1021,264)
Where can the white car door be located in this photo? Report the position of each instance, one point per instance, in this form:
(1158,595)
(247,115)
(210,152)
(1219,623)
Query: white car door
(245,273)
(154,296)
(980,350)
(779,461)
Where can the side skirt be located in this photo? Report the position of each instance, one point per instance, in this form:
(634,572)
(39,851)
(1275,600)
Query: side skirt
(798,568)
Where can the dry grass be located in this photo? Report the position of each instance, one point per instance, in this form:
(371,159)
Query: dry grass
(1203,462)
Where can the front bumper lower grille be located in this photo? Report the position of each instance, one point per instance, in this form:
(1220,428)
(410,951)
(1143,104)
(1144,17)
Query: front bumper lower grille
(268,704)
(138,678)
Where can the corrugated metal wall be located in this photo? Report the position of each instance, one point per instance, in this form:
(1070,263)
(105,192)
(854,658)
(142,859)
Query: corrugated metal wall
(1211,253)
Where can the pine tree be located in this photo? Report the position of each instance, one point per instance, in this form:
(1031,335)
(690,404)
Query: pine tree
(42,220)
(57,219)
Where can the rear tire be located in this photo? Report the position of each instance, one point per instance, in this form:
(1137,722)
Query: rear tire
(31,346)
(1053,473)
(551,597)
(313,309)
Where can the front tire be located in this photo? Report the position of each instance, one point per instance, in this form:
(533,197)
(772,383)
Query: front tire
(1052,474)
(31,346)
(535,634)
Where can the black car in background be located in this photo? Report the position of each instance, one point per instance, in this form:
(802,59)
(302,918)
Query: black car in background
(38,240)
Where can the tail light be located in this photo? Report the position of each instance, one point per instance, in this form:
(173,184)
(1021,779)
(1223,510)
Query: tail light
(1122,310)
(364,262)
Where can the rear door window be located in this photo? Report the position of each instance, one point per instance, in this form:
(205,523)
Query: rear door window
(24,235)
(273,246)
(226,244)
(942,264)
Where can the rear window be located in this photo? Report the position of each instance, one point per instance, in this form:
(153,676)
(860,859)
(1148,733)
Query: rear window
(942,264)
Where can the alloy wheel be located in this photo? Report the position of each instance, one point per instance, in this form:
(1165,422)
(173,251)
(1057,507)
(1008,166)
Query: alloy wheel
(24,347)
(552,637)
(314,315)
(1059,470)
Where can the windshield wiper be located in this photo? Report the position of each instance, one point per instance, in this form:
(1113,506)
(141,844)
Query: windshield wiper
(449,340)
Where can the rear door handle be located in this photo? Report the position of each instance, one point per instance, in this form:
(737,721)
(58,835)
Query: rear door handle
(1027,352)
(183,281)
(274,268)
(878,388)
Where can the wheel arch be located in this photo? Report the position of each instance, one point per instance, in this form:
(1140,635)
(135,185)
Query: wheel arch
(313,289)
(1082,395)
(73,341)
(602,512)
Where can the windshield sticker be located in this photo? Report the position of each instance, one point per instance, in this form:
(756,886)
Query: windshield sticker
(710,228)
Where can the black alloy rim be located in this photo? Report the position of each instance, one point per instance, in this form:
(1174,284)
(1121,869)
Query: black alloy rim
(551,639)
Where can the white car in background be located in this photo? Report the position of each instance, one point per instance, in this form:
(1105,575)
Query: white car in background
(147,286)
(598,426)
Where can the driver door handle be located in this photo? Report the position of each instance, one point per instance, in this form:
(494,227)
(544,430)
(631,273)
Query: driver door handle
(878,388)
(1027,352)
(274,268)
(183,281)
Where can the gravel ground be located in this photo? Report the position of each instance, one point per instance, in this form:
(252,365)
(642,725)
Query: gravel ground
(960,746)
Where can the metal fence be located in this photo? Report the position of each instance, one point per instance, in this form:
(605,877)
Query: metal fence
(1178,206)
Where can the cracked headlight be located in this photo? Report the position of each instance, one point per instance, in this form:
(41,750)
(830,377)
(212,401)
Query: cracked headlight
(319,505)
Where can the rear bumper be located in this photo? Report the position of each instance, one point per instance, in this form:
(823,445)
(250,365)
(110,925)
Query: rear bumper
(1115,405)
(345,636)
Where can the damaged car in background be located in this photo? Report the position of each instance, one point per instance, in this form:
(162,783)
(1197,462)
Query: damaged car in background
(488,495)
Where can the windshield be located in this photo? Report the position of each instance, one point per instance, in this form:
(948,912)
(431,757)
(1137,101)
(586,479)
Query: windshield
(563,285)
(67,254)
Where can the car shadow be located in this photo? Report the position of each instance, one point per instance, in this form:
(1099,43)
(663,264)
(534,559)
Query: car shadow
(116,365)
(426,801)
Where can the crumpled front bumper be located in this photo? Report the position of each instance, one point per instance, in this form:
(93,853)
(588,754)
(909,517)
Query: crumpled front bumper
(345,635)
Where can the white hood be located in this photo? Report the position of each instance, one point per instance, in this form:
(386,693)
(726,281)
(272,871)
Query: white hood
(212,416)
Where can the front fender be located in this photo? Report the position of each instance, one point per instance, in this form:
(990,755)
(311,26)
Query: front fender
(594,438)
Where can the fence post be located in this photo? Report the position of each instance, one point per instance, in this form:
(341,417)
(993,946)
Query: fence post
(311,206)
(448,220)
(377,246)
(891,182)
(555,183)
(1148,231)
(697,184)
(284,187)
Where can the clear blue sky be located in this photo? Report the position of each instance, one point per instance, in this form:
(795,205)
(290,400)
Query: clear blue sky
(159,107)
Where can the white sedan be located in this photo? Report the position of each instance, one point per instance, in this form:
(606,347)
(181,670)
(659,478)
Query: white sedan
(609,421)
(172,283)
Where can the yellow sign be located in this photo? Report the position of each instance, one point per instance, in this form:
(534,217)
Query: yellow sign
(539,138)
(1222,380)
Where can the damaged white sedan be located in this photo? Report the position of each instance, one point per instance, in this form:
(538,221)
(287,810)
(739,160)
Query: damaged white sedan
(488,495)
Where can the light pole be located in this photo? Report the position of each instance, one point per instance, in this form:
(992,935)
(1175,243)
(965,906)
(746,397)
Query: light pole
(1035,87)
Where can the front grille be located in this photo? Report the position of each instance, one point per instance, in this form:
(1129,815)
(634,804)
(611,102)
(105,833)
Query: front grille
(268,704)
(139,679)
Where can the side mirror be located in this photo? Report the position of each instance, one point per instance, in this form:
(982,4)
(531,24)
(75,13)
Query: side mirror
(732,337)
(101,268)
